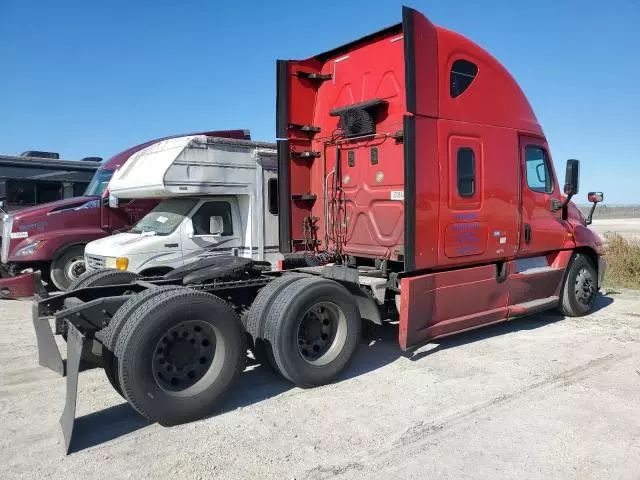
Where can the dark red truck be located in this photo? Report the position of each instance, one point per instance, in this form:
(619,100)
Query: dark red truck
(50,237)
(415,186)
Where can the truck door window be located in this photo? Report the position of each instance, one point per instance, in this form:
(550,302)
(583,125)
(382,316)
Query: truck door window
(212,209)
(539,177)
(462,75)
(466,172)
(272,188)
(98,183)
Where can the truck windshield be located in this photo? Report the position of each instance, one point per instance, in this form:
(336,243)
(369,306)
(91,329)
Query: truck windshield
(98,183)
(165,217)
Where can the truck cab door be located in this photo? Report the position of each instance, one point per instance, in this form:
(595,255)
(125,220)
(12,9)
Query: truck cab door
(198,236)
(542,228)
(537,272)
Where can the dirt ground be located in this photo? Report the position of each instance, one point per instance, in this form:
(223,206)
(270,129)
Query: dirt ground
(543,397)
(629,228)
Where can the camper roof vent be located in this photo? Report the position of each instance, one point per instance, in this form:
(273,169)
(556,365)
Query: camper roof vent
(40,154)
(358,119)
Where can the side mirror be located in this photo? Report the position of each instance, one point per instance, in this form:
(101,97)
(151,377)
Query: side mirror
(595,198)
(2,203)
(188,229)
(216,225)
(113,201)
(572,177)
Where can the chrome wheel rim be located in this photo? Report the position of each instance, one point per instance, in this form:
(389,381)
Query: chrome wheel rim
(75,268)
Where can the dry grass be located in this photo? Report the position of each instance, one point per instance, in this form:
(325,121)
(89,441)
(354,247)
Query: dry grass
(623,262)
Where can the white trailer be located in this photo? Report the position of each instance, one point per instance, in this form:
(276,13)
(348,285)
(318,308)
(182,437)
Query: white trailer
(220,198)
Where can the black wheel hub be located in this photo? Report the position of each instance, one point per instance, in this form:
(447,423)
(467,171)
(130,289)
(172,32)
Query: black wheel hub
(317,332)
(585,287)
(183,355)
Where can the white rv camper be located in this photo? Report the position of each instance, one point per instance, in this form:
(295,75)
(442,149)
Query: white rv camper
(220,198)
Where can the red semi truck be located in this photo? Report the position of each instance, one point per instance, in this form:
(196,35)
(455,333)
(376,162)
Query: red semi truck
(415,185)
(51,237)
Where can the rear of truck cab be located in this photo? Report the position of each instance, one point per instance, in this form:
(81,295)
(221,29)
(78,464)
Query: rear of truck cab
(415,151)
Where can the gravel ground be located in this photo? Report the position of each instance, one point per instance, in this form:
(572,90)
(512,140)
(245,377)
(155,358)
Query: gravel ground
(543,397)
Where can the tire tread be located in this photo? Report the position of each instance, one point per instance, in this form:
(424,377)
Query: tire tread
(141,314)
(274,324)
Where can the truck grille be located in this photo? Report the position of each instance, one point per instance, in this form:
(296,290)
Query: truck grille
(94,262)
(7,225)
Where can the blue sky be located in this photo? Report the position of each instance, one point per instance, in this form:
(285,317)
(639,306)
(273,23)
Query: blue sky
(95,77)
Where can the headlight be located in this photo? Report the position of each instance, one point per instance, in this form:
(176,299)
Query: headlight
(119,263)
(29,249)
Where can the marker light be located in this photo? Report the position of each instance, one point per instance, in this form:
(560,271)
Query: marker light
(122,263)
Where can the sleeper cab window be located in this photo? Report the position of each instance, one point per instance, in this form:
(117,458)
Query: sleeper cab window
(539,178)
(462,75)
(466,161)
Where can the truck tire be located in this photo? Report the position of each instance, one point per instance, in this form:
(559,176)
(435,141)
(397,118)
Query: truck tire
(101,278)
(313,330)
(178,355)
(67,266)
(77,283)
(580,287)
(257,315)
(112,331)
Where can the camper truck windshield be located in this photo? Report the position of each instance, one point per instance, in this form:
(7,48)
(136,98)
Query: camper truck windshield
(165,217)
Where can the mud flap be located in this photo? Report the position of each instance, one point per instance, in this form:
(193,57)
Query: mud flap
(38,287)
(76,346)
(19,286)
(48,353)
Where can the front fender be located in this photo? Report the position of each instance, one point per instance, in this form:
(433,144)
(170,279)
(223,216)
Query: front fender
(53,242)
(585,237)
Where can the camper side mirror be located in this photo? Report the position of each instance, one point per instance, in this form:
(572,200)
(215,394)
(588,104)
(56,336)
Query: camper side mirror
(216,226)
(2,203)
(571,178)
